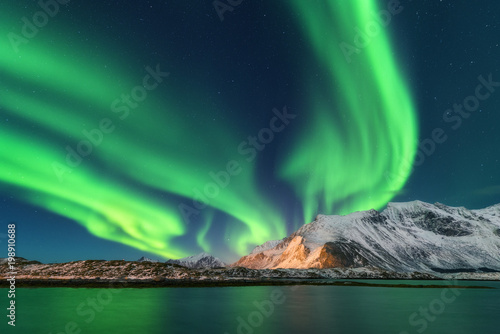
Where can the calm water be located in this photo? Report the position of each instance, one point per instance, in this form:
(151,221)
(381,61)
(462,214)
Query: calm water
(302,309)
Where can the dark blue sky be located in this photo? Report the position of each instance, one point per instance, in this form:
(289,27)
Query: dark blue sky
(252,61)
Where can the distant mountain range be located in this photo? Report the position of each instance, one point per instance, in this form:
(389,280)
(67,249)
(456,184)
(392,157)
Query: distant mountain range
(202,260)
(405,237)
(145,259)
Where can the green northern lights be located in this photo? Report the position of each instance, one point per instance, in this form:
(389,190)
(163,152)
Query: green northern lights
(340,162)
(358,126)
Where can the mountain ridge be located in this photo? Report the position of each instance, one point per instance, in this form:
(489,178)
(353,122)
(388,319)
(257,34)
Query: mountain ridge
(410,236)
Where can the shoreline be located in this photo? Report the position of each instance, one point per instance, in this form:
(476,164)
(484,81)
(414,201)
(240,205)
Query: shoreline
(177,283)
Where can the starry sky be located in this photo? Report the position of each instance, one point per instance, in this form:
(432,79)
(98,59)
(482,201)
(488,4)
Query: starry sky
(167,128)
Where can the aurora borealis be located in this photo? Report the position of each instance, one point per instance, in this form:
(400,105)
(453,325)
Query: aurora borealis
(368,131)
(148,131)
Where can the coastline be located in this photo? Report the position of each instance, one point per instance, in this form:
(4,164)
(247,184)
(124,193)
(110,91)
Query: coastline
(183,283)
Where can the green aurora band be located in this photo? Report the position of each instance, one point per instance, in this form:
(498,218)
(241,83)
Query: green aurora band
(52,92)
(103,204)
(354,143)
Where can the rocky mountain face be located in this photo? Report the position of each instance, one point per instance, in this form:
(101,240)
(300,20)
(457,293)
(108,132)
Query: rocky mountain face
(405,237)
(202,260)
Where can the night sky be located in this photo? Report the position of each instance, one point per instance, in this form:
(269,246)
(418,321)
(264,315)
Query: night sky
(168,128)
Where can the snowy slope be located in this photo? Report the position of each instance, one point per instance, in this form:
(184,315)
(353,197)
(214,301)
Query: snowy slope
(265,246)
(414,236)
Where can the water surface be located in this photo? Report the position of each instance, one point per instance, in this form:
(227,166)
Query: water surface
(264,309)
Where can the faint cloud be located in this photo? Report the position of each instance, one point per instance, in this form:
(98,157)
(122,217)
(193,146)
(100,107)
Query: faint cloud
(487,191)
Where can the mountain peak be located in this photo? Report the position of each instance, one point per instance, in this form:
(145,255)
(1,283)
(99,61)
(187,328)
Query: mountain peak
(145,259)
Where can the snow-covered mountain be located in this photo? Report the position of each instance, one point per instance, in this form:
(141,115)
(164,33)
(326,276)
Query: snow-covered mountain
(202,260)
(413,236)
(145,259)
(265,246)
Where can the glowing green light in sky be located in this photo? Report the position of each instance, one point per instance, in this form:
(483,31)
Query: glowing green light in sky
(359,125)
(154,148)
(201,237)
(362,125)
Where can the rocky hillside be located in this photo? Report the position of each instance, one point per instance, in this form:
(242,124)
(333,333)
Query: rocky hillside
(134,270)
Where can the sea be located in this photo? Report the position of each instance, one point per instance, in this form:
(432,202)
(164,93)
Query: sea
(258,309)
